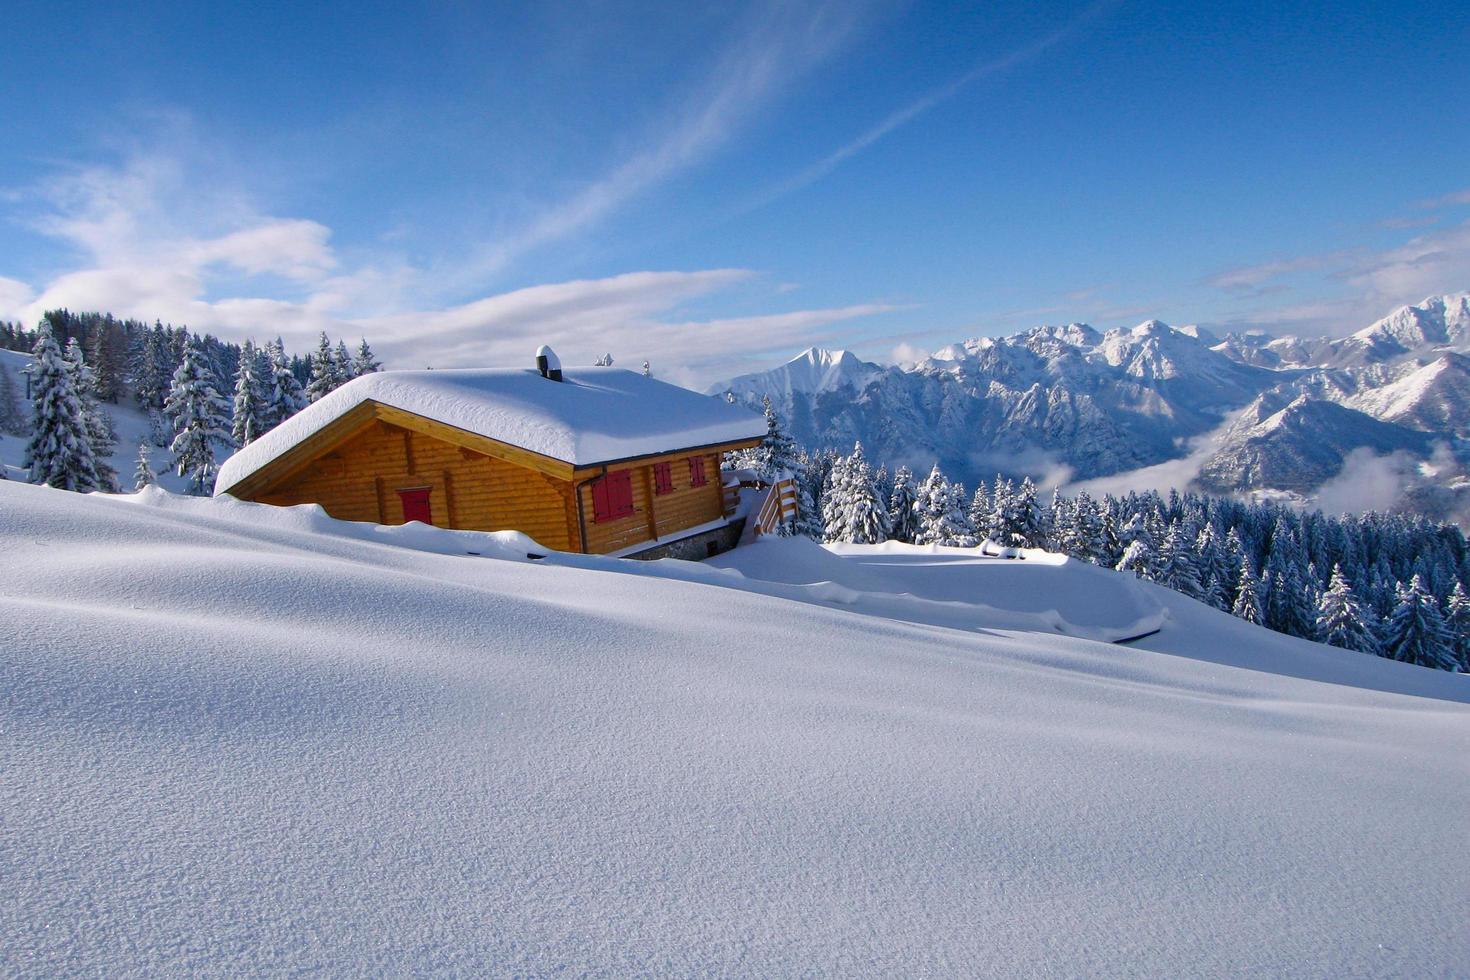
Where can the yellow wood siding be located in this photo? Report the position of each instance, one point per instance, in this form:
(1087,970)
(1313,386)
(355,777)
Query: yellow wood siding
(686,506)
(360,480)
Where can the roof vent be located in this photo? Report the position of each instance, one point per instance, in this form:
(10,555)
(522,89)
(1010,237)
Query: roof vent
(548,363)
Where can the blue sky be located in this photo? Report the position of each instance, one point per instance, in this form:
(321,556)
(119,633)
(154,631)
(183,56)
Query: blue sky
(715,187)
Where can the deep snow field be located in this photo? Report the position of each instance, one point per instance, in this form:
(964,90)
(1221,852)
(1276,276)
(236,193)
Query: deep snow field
(236,738)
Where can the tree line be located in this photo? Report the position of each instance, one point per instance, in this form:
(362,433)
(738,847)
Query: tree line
(175,376)
(1391,585)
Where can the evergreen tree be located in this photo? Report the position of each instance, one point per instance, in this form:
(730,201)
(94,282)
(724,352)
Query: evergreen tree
(143,475)
(901,517)
(1176,566)
(1247,605)
(1457,624)
(1416,632)
(198,418)
(283,394)
(1027,530)
(1342,621)
(853,512)
(363,362)
(99,426)
(941,517)
(326,375)
(1137,558)
(1214,594)
(12,416)
(59,453)
(249,412)
(342,361)
(153,366)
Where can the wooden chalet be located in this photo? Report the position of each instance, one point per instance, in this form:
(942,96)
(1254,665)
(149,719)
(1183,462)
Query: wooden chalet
(594,460)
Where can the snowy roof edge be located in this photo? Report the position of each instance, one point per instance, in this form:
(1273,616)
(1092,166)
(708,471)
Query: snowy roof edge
(578,424)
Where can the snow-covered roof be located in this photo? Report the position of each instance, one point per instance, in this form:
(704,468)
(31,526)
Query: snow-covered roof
(594,415)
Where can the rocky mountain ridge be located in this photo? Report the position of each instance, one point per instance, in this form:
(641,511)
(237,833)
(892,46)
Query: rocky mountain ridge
(1259,413)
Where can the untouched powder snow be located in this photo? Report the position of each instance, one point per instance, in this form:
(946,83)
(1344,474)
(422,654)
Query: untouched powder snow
(594,415)
(245,739)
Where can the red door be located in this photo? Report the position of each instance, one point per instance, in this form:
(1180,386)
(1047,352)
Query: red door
(416,505)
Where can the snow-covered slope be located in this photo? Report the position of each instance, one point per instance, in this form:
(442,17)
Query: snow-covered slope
(240,739)
(130,425)
(812,372)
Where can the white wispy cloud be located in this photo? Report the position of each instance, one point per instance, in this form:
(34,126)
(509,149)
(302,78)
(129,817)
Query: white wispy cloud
(1353,286)
(913,110)
(779,43)
(261,275)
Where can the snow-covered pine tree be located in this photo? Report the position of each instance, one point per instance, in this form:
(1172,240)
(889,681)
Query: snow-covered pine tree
(194,406)
(1457,623)
(12,416)
(853,512)
(1137,558)
(1003,521)
(647,370)
(326,374)
(901,518)
(99,425)
(1247,604)
(979,511)
(1214,595)
(780,449)
(248,416)
(1342,621)
(363,362)
(1028,531)
(342,359)
(941,517)
(1415,633)
(283,395)
(59,453)
(143,475)
(153,366)
(1176,567)
(808,486)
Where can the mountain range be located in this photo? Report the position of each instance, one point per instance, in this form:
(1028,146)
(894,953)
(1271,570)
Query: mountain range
(1384,410)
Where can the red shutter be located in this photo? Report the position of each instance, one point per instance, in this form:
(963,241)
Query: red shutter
(696,471)
(620,493)
(663,478)
(601,511)
(612,496)
(416,505)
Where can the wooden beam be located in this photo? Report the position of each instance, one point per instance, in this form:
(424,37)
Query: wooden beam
(587,472)
(648,501)
(295,460)
(480,444)
(382,500)
(449,499)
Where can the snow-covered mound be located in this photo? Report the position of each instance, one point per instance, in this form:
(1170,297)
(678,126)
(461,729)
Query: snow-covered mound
(956,587)
(239,739)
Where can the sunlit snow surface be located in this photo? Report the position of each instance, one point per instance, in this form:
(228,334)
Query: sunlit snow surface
(246,739)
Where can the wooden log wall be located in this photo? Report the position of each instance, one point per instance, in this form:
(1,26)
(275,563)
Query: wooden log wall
(360,480)
(656,515)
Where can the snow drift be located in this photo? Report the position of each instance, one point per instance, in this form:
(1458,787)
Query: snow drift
(265,741)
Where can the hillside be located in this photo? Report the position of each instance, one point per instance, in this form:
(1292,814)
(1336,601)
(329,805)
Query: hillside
(1071,403)
(244,739)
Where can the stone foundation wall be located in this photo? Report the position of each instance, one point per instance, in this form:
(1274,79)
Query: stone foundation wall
(696,547)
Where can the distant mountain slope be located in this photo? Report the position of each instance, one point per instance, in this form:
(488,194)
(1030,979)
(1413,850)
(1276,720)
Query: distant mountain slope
(1099,404)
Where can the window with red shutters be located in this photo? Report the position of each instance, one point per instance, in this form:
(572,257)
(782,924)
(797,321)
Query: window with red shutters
(663,478)
(696,471)
(612,496)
